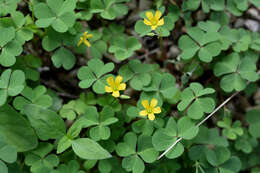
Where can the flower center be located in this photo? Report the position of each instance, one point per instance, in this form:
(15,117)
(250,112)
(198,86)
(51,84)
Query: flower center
(115,88)
(149,110)
(153,21)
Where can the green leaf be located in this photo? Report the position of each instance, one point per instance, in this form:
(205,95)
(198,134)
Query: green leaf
(123,47)
(237,83)
(16,129)
(43,120)
(218,156)
(133,163)
(175,152)
(98,49)
(195,96)
(144,126)
(18,19)
(232,165)
(64,143)
(63,57)
(6,34)
(202,39)
(8,152)
(3,167)
(253,118)
(146,150)
(99,133)
(89,149)
(86,76)
(201,106)
(11,84)
(229,65)
(186,128)
(141,28)
(71,167)
(188,46)
(210,136)
(8,6)
(35,96)
(57,13)
(40,159)
(127,147)
(109,9)
(93,74)
(164,138)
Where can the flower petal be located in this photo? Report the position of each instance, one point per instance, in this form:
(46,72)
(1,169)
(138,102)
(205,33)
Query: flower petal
(157,110)
(118,80)
(116,94)
(89,36)
(145,104)
(153,102)
(161,22)
(87,43)
(80,41)
(85,34)
(122,86)
(149,15)
(154,27)
(151,117)
(143,113)
(147,22)
(158,14)
(110,81)
(108,89)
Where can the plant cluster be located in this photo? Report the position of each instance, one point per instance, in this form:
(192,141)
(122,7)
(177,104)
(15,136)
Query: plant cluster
(92,86)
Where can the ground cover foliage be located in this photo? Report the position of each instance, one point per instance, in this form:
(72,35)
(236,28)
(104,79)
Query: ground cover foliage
(116,86)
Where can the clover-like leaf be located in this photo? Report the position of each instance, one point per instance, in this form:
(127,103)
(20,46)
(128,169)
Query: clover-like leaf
(56,13)
(71,167)
(236,71)
(11,84)
(210,136)
(8,152)
(76,107)
(218,156)
(92,74)
(165,137)
(29,65)
(7,35)
(123,47)
(35,96)
(253,118)
(7,7)
(246,143)
(10,49)
(109,9)
(127,149)
(231,131)
(221,159)
(194,96)
(138,74)
(105,118)
(63,57)
(203,40)
(162,84)
(40,159)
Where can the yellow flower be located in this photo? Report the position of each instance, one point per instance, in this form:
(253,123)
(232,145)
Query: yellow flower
(150,109)
(154,20)
(115,85)
(84,39)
